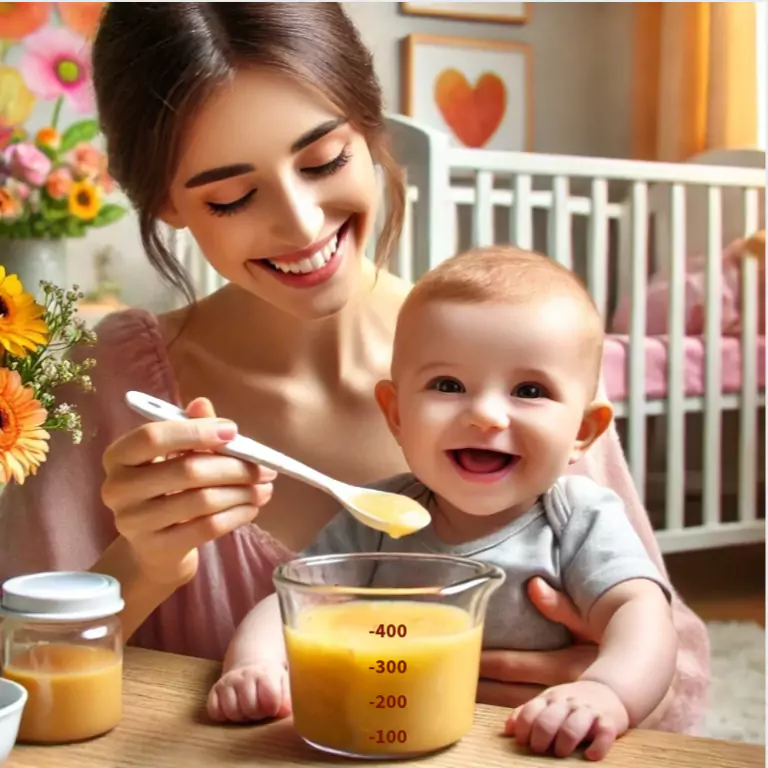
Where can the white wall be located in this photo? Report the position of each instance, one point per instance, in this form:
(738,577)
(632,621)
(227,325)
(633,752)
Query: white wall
(581,63)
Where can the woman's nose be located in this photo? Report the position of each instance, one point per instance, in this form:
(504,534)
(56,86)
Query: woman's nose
(297,217)
(489,413)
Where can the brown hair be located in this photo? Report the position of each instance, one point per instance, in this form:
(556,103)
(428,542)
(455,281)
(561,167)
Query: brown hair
(504,274)
(155,63)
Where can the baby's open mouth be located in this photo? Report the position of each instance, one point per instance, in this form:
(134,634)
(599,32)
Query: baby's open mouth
(481,461)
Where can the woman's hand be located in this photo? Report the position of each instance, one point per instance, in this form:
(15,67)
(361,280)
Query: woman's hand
(511,678)
(170,493)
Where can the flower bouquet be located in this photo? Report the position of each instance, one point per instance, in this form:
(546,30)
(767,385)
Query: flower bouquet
(33,341)
(53,181)
(54,186)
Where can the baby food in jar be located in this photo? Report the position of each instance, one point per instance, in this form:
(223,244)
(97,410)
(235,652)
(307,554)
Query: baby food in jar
(383,678)
(62,641)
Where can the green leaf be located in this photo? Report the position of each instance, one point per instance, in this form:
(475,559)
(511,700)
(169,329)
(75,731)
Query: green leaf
(83,130)
(108,214)
(51,154)
(75,227)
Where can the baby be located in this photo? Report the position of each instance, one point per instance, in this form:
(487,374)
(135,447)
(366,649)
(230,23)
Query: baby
(494,392)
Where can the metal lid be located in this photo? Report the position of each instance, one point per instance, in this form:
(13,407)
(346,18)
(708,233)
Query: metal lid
(61,596)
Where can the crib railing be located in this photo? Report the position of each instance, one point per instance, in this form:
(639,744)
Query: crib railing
(443,179)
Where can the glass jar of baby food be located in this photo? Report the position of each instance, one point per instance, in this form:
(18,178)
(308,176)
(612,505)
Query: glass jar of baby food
(62,641)
(384,649)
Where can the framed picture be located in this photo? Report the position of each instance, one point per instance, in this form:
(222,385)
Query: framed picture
(500,13)
(477,91)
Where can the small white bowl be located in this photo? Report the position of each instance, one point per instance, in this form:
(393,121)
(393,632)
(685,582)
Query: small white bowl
(13,697)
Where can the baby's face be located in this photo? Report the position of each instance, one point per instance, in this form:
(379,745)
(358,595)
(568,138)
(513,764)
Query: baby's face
(490,400)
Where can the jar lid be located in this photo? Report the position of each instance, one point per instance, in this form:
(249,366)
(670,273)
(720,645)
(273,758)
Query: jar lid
(61,596)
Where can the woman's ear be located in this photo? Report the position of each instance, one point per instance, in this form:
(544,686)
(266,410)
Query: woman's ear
(597,418)
(386,397)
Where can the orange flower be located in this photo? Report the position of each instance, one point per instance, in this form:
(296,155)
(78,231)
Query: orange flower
(59,184)
(17,20)
(10,205)
(84,200)
(22,325)
(82,18)
(48,137)
(23,441)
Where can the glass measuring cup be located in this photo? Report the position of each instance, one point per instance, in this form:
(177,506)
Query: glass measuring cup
(384,649)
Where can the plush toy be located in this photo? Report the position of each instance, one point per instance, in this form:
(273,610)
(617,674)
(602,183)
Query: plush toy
(754,248)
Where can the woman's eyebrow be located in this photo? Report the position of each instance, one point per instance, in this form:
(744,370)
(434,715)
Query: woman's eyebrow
(238,169)
(316,133)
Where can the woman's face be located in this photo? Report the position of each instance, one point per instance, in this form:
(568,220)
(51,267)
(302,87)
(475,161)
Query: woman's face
(279,191)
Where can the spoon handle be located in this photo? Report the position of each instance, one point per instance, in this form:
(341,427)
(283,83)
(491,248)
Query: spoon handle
(241,447)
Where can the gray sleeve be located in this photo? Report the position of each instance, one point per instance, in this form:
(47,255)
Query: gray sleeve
(599,547)
(344,534)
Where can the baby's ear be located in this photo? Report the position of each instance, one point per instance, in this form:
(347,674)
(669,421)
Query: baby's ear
(597,418)
(386,397)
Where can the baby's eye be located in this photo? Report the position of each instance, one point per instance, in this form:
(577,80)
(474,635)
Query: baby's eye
(447,385)
(529,391)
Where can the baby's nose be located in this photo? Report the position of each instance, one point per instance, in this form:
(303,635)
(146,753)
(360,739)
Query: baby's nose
(489,413)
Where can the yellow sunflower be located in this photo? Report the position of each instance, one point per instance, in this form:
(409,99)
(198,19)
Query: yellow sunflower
(23,441)
(84,200)
(22,328)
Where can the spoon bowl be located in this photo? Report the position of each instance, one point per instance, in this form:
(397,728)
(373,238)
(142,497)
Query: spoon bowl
(391,513)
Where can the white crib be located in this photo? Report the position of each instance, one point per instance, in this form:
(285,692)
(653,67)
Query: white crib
(611,221)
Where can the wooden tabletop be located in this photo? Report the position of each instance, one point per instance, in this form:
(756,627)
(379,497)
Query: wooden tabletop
(164,726)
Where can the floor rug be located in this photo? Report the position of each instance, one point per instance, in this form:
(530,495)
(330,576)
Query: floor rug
(737,691)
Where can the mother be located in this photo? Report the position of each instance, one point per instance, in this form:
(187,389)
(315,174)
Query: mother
(257,126)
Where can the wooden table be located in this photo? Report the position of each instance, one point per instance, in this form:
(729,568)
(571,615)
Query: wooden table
(164,726)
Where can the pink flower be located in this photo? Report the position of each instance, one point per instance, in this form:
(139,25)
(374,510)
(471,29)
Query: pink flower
(27,163)
(59,183)
(87,161)
(56,63)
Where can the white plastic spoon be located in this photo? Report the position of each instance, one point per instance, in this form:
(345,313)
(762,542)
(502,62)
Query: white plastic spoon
(391,513)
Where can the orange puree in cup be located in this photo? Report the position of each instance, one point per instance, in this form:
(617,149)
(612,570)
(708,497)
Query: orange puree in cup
(383,677)
(75,692)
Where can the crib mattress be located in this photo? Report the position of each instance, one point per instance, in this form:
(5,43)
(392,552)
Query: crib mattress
(616,360)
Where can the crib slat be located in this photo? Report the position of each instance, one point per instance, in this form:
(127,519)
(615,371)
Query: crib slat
(712,333)
(748,412)
(521,224)
(597,259)
(675,496)
(559,235)
(636,369)
(482,212)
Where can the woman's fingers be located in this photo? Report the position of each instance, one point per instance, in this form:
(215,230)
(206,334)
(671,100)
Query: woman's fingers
(177,508)
(558,607)
(134,485)
(194,533)
(159,439)
(545,668)
(506,694)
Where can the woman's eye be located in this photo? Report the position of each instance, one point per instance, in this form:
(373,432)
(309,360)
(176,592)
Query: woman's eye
(327,169)
(446,385)
(529,391)
(227,209)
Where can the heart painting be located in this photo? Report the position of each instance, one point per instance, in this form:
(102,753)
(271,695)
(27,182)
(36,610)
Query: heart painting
(473,112)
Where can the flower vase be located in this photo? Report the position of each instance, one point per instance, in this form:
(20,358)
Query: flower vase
(33,260)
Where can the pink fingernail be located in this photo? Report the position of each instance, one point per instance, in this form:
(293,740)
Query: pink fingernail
(226,431)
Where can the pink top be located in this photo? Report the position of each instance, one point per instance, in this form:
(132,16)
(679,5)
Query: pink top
(57,521)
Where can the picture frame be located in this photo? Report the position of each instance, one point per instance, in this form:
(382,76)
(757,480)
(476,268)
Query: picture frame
(495,13)
(478,91)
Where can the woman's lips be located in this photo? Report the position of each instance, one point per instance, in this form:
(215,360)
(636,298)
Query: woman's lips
(318,274)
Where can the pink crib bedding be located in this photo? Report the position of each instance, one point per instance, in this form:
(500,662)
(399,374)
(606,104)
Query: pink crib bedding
(616,360)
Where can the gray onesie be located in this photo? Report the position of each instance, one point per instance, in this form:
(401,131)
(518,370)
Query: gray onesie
(577,537)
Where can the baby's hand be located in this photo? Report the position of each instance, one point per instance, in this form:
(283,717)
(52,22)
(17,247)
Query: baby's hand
(251,692)
(567,715)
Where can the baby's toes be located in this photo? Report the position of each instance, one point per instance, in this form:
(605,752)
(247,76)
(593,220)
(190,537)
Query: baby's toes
(574,730)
